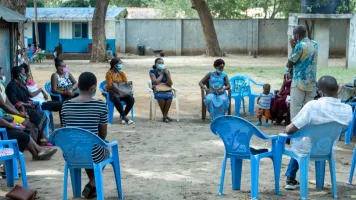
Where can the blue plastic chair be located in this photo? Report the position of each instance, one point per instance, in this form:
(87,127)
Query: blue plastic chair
(110,104)
(50,123)
(11,160)
(236,134)
(241,88)
(351,128)
(352,166)
(76,145)
(322,138)
(48,88)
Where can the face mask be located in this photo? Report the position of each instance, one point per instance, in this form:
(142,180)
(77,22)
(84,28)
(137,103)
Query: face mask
(65,69)
(160,67)
(119,67)
(23,79)
(3,80)
(219,72)
(287,69)
(93,93)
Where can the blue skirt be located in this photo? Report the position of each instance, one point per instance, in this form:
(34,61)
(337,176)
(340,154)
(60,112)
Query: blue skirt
(164,96)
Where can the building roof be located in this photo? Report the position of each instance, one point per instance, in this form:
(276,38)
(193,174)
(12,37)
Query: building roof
(10,15)
(142,13)
(70,14)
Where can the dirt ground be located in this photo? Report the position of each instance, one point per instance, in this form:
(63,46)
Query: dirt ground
(180,160)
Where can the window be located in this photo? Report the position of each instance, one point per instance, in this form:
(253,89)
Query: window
(80,30)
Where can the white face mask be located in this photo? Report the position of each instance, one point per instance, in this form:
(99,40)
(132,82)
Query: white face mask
(3,80)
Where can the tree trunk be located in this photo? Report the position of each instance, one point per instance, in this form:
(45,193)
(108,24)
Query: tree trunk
(36,25)
(99,38)
(20,7)
(207,23)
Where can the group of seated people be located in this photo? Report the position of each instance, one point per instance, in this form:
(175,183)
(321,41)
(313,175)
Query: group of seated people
(271,106)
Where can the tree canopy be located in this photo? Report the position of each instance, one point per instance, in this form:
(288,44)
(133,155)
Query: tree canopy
(40,4)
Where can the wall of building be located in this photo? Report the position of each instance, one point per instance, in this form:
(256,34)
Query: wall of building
(185,36)
(70,44)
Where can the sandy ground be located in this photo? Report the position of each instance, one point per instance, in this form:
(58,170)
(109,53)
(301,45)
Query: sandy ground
(180,160)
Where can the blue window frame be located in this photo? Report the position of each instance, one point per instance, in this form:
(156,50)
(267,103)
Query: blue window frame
(80,30)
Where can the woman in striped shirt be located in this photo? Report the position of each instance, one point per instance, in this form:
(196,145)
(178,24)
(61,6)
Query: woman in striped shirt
(89,114)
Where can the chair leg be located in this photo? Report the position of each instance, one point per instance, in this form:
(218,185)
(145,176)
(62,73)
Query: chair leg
(352,166)
(111,112)
(303,166)
(52,121)
(277,163)
(255,164)
(222,178)
(16,171)
(75,175)
(9,168)
(116,166)
(177,109)
(98,174)
(243,105)
(319,174)
(154,109)
(65,182)
(237,106)
(133,113)
(23,170)
(333,176)
(236,170)
(251,105)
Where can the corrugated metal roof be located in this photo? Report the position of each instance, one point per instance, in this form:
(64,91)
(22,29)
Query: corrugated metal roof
(10,15)
(70,14)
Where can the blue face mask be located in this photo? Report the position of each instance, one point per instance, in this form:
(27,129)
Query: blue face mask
(287,69)
(219,72)
(119,67)
(160,67)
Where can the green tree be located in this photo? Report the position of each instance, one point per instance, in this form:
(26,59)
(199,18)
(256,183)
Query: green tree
(40,4)
(131,3)
(75,3)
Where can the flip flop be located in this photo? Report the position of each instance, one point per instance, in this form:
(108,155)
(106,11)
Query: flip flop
(46,155)
(130,122)
(123,122)
(169,119)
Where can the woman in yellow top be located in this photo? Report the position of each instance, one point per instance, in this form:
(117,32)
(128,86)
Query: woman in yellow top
(116,75)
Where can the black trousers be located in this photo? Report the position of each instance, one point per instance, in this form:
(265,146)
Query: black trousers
(22,138)
(129,104)
(54,106)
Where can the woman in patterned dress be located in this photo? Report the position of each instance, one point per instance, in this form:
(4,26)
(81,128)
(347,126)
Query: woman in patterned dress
(216,100)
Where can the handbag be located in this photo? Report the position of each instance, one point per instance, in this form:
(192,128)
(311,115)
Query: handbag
(21,193)
(162,88)
(122,89)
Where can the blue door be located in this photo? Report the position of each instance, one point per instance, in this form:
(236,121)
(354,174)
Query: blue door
(52,39)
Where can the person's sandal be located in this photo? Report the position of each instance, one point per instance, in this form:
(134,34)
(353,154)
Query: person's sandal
(169,119)
(47,155)
(130,122)
(165,120)
(89,191)
(123,122)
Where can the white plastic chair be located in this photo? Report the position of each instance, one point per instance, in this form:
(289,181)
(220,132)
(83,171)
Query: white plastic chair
(153,103)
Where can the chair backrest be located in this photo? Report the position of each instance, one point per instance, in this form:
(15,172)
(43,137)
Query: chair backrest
(149,85)
(236,134)
(240,83)
(48,88)
(102,87)
(77,145)
(322,137)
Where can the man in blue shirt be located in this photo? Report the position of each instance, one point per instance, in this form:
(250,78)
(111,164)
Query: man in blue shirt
(303,61)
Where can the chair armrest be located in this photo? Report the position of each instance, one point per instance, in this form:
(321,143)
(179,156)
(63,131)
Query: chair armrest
(11,144)
(175,92)
(256,83)
(3,133)
(111,144)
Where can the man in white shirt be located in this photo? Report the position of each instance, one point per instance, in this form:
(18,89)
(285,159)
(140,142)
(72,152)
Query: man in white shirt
(20,57)
(325,110)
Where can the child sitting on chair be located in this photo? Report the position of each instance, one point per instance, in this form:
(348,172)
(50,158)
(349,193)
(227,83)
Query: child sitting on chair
(32,88)
(264,105)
